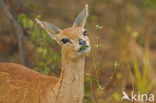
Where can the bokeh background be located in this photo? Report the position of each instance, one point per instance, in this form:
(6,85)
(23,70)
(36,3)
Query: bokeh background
(122,34)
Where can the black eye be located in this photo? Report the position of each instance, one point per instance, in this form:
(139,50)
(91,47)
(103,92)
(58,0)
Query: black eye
(65,40)
(84,33)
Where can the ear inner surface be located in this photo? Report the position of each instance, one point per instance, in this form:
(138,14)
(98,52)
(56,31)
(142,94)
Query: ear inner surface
(82,17)
(50,28)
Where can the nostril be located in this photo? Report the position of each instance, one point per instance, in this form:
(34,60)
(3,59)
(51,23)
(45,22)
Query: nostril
(82,42)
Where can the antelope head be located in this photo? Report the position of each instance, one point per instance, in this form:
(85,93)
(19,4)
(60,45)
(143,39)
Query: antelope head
(74,40)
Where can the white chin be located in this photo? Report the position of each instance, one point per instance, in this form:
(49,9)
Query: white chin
(85,51)
(82,53)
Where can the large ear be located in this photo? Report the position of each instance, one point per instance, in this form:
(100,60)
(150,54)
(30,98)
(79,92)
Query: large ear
(50,28)
(82,17)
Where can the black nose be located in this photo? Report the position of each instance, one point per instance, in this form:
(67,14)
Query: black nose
(82,42)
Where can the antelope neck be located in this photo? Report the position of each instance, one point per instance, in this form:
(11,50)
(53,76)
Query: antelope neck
(71,82)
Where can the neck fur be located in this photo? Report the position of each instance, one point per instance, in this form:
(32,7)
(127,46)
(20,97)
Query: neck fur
(71,84)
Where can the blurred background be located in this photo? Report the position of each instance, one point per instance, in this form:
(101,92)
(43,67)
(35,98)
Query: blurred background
(122,34)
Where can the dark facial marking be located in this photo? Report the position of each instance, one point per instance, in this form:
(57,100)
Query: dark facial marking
(85,33)
(65,40)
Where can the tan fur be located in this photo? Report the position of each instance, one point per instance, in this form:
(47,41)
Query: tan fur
(19,84)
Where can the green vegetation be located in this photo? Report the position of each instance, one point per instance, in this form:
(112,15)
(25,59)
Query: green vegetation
(40,38)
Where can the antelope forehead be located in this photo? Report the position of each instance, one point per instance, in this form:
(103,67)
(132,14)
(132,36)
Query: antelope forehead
(73,30)
(73,36)
(73,33)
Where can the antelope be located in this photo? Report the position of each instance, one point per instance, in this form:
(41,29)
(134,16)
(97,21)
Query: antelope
(19,84)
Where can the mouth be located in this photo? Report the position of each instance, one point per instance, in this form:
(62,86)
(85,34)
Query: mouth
(83,48)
